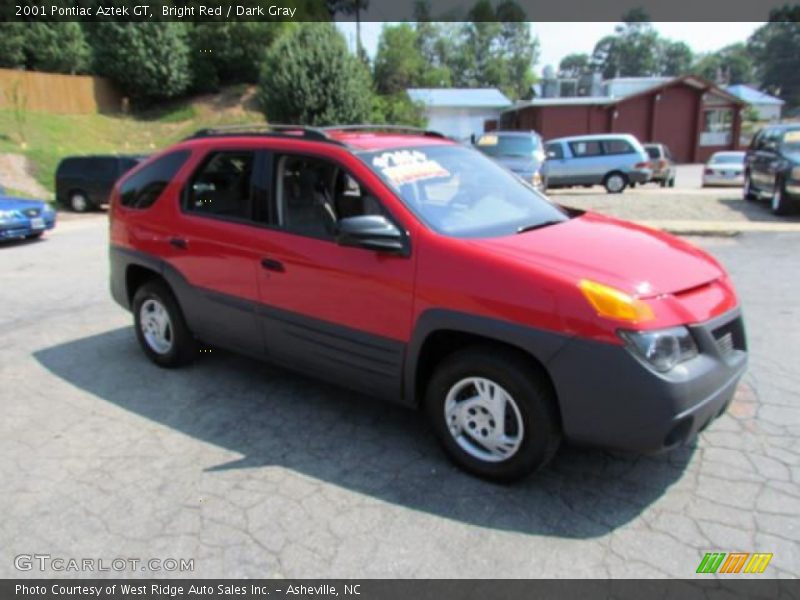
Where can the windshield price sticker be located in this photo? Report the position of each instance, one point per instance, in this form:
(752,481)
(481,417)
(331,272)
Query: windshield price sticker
(488,140)
(791,137)
(408,166)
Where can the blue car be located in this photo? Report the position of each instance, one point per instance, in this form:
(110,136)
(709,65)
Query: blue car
(24,218)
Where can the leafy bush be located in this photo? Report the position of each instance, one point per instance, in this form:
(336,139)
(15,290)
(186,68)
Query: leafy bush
(147,61)
(309,77)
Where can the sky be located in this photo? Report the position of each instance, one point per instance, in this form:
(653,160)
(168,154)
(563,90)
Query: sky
(556,40)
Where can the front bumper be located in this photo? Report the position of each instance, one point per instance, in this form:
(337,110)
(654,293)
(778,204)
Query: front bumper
(610,399)
(21,228)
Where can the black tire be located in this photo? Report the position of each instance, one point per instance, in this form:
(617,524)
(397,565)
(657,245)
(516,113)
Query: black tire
(663,183)
(611,179)
(780,203)
(532,394)
(747,189)
(79,202)
(34,236)
(184,346)
(671,182)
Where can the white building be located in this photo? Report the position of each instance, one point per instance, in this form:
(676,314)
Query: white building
(768,107)
(459,112)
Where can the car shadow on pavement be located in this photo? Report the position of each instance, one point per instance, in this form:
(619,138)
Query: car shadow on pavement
(275,417)
(756,210)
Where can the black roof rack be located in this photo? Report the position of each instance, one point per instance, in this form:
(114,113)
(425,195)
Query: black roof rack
(267,130)
(379,128)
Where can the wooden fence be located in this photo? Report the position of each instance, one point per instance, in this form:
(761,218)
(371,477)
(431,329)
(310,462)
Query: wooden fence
(55,93)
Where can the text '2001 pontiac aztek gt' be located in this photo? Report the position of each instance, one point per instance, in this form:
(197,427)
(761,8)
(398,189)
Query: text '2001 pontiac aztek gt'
(414,269)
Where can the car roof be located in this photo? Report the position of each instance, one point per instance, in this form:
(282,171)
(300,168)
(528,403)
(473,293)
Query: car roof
(368,141)
(512,133)
(598,136)
(730,153)
(352,137)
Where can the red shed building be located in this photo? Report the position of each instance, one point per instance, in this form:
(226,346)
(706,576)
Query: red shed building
(692,116)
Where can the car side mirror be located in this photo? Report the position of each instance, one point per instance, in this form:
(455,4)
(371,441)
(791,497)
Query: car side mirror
(373,232)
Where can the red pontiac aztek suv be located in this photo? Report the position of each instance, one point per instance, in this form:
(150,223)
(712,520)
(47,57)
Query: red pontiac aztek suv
(409,267)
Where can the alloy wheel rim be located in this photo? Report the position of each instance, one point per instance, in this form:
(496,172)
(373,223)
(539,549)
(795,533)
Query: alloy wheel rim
(156,326)
(615,183)
(79,203)
(484,419)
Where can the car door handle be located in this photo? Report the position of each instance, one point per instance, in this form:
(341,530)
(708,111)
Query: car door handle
(270,264)
(179,243)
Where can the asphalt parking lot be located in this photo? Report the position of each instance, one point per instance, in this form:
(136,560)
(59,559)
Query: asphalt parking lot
(256,472)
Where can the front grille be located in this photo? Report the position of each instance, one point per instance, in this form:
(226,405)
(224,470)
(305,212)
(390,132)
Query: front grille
(31,212)
(730,337)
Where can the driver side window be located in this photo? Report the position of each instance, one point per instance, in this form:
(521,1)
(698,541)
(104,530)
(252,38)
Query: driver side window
(313,194)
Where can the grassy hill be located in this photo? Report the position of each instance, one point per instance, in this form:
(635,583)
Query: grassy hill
(48,138)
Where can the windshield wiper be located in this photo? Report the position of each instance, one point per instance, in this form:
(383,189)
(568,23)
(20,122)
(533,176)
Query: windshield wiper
(525,228)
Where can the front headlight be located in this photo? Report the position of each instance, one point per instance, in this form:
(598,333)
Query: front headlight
(796,173)
(661,348)
(7,215)
(47,209)
(536,179)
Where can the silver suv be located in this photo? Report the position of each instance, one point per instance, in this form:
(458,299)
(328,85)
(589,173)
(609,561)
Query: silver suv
(613,160)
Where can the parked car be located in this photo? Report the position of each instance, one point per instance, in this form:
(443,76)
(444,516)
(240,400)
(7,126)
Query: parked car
(613,160)
(521,152)
(724,168)
(83,183)
(772,167)
(661,163)
(24,218)
(406,266)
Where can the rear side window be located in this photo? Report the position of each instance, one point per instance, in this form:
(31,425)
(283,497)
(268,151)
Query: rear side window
(618,146)
(586,148)
(554,150)
(653,152)
(142,189)
(222,187)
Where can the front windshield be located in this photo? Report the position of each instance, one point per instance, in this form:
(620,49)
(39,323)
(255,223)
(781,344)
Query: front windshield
(791,141)
(523,146)
(461,193)
(727,159)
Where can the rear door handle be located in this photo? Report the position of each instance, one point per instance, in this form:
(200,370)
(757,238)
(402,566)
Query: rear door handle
(179,243)
(270,264)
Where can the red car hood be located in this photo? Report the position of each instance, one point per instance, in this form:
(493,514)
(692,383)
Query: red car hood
(629,257)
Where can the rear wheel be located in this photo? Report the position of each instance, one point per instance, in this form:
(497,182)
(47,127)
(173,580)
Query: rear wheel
(160,327)
(493,413)
(615,182)
(79,202)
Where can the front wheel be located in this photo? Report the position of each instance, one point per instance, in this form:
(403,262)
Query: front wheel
(747,190)
(493,413)
(79,203)
(780,203)
(160,327)
(615,182)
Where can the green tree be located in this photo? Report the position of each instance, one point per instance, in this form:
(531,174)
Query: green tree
(574,65)
(309,77)
(230,52)
(399,64)
(12,45)
(147,61)
(675,58)
(774,47)
(730,65)
(632,51)
(57,47)
(397,109)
